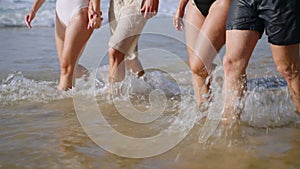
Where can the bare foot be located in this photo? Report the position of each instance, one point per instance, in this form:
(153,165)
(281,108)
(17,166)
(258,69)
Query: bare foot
(230,116)
(203,94)
(65,82)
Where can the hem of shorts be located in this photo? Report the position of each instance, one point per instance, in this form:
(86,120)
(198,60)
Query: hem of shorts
(118,49)
(238,28)
(115,47)
(285,44)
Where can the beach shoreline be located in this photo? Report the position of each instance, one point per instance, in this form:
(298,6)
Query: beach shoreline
(40,129)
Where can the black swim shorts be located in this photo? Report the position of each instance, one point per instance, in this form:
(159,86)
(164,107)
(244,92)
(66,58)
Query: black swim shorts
(204,5)
(280,19)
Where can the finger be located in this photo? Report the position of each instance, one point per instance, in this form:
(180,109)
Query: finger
(25,18)
(146,13)
(149,15)
(174,23)
(150,12)
(154,13)
(28,25)
(89,25)
(177,24)
(92,24)
(181,24)
(27,21)
(143,8)
(178,27)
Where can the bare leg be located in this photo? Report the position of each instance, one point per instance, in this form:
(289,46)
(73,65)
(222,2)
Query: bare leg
(209,41)
(116,65)
(135,64)
(287,61)
(239,47)
(76,36)
(213,32)
(125,32)
(193,24)
(59,36)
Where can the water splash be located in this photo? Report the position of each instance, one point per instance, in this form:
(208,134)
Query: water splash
(269,108)
(266,104)
(16,88)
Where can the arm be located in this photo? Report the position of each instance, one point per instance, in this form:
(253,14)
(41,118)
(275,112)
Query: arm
(95,5)
(31,14)
(94,14)
(150,8)
(177,20)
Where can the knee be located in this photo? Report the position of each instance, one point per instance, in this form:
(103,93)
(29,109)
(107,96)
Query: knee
(115,55)
(198,69)
(230,65)
(288,71)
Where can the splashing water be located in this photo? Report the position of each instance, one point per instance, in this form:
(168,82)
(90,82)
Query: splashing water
(16,88)
(266,104)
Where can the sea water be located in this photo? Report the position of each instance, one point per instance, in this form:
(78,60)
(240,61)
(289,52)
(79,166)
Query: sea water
(40,128)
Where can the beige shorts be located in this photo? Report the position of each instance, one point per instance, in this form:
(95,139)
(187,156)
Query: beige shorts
(126,24)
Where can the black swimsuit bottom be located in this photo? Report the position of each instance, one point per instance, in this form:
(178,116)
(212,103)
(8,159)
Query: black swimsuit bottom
(204,5)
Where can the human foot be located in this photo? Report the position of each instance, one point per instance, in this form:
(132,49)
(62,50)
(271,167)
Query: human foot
(65,82)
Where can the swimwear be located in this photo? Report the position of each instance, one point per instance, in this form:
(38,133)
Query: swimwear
(66,9)
(280,19)
(204,6)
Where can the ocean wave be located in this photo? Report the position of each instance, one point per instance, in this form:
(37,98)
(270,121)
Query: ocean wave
(12,12)
(16,18)
(16,88)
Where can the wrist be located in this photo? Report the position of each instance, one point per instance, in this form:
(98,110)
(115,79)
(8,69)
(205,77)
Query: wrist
(179,13)
(32,11)
(98,14)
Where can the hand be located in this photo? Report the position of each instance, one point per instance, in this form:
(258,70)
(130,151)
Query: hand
(150,8)
(95,21)
(178,21)
(29,17)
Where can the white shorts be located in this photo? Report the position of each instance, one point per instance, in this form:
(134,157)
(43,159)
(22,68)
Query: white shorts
(126,24)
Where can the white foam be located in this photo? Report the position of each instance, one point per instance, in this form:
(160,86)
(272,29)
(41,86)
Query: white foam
(12,12)
(263,107)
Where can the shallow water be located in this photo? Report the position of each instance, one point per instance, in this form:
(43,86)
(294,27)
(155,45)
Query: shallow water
(49,136)
(40,128)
